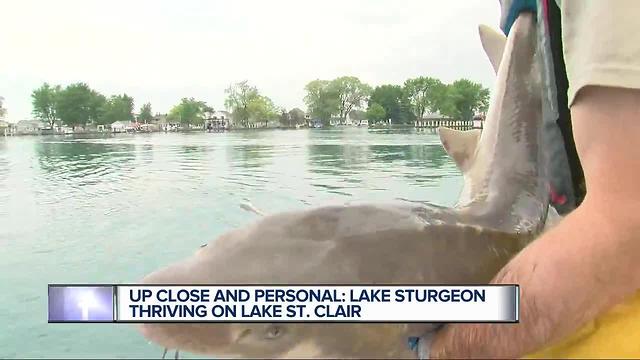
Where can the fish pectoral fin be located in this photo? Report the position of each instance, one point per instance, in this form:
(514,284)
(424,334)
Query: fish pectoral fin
(460,145)
(493,42)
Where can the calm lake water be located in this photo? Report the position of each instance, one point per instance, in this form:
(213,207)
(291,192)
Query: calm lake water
(111,209)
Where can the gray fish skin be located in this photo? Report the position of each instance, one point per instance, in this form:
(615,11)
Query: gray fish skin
(501,209)
(334,245)
(506,183)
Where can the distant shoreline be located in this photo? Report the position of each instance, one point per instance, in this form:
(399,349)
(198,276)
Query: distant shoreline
(241,129)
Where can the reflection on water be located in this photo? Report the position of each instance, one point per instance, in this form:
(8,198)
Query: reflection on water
(112,208)
(250,156)
(352,158)
(339,160)
(88,163)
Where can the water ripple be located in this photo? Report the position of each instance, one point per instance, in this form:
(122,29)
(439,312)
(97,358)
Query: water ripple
(112,208)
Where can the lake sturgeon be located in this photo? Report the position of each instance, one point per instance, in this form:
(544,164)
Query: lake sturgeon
(502,207)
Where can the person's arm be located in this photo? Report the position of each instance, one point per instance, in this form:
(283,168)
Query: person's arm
(590,260)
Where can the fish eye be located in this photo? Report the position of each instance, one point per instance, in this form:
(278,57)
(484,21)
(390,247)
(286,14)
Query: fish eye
(273,332)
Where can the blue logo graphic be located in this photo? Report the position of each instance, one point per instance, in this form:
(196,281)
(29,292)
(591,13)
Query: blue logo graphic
(80,303)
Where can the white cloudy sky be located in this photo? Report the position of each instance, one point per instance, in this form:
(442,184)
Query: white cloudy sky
(160,51)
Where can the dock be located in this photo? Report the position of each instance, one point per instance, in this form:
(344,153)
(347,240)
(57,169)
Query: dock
(450,123)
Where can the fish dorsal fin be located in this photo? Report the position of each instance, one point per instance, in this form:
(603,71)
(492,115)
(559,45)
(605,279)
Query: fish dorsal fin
(460,145)
(493,42)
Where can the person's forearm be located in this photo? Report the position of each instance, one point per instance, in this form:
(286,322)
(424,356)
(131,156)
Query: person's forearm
(567,277)
(588,262)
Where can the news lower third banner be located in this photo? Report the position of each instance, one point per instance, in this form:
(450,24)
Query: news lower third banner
(283,303)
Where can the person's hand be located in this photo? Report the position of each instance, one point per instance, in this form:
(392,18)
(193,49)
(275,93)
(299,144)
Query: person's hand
(510,9)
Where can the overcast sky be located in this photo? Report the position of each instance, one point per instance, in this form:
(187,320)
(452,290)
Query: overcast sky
(159,51)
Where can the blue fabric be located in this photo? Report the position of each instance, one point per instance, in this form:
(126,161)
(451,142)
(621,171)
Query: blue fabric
(422,345)
(413,342)
(515,8)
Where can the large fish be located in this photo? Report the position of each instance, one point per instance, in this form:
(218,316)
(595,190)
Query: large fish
(502,207)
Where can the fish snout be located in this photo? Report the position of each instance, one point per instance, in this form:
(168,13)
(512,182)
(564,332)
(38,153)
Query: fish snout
(201,338)
(206,339)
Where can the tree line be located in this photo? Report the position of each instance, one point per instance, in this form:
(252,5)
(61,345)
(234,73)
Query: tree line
(78,104)
(248,106)
(398,103)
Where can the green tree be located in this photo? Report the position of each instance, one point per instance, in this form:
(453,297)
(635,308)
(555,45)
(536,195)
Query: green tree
(239,95)
(296,116)
(376,112)
(391,98)
(189,111)
(43,100)
(116,108)
(465,98)
(442,99)
(357,115)
(145,113)
(351,92)
(208,111)
(445,103)
(261,108)
(3,110)
(322,100)
(97,108)
(78,104)
(285,118)
(424,94)
(405,108)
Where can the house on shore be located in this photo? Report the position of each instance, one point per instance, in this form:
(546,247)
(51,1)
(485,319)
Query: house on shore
(6,128)
(118,127)
(315,123)
(161,122)
(122,126)
(84,129)
(351,119)
(148,126)
(28,127)
(219,120)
